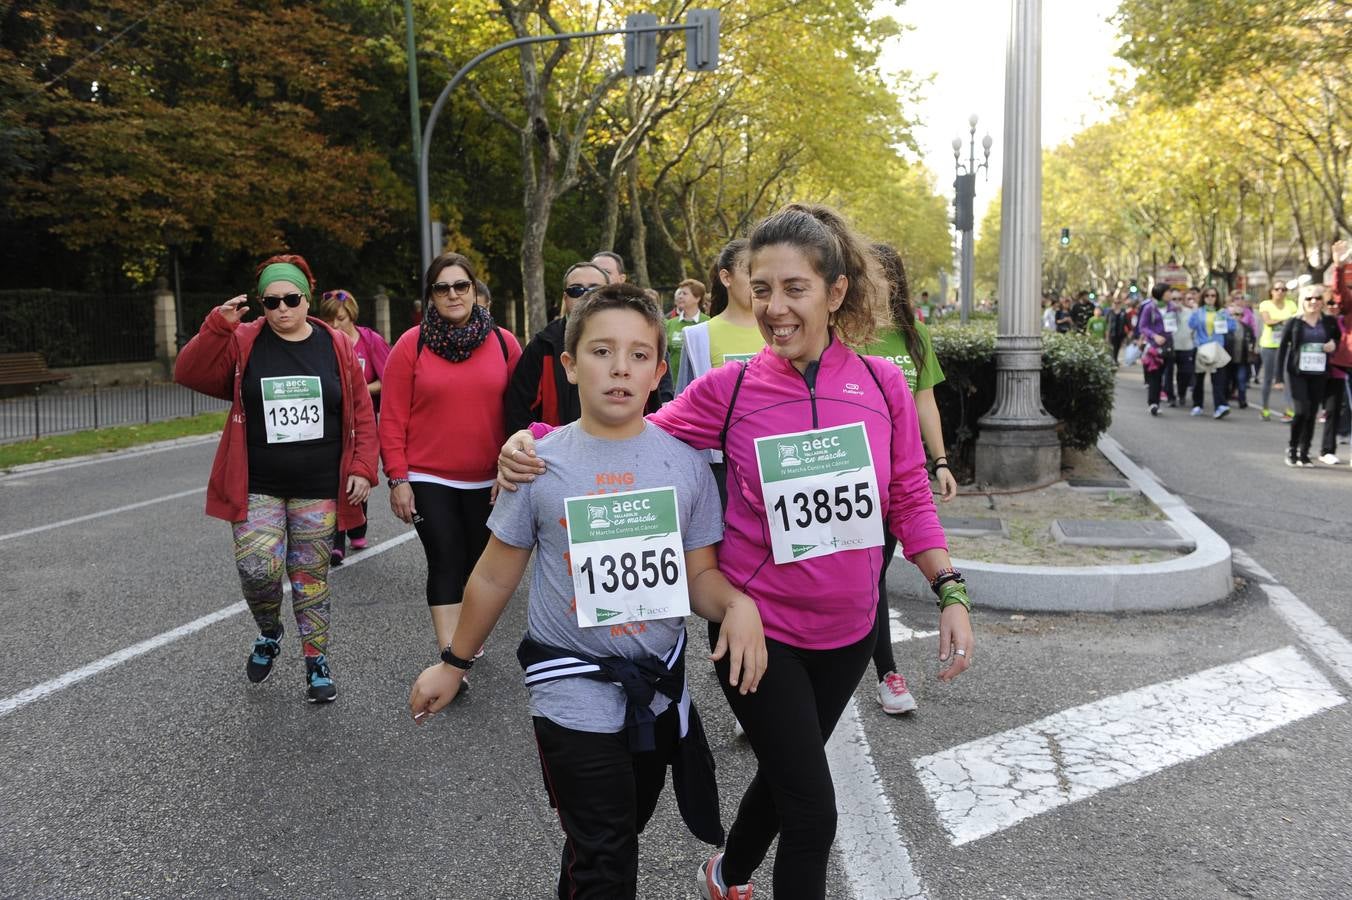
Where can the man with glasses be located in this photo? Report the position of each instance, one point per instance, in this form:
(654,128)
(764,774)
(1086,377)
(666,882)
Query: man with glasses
(539,390)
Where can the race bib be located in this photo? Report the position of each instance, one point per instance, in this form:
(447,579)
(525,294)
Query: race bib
(627,557)
(1312,358)
(1221,326)
(293,409)
(820,492)
(1170,322)
(736,357)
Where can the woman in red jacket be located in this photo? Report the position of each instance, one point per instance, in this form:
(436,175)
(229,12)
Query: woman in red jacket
(296,459)
(441,424)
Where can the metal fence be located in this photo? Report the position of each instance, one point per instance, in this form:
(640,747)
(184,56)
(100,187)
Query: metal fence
(49,411)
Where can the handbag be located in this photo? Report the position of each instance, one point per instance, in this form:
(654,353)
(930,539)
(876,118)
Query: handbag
(1212,356)
(1133,354)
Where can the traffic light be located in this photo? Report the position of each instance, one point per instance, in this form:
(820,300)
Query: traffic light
(1065,237)
(640,50)
(1133,290)
(1093,296)
(701,42)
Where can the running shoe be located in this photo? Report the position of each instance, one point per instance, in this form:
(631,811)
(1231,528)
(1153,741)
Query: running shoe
(318,682)
(1243,404)
(1266,414)
(1154,409)
(1304,461)
(358,544)
(1196,411)
(711,888)
(1322,417)
(1329,459)
(1221,411)
(1291,457)
(265,650)
(1173,404)
(1288,415)
(336,557)
(893,695)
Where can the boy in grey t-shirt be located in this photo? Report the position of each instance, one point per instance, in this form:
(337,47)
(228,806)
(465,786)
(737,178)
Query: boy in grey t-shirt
(603,755)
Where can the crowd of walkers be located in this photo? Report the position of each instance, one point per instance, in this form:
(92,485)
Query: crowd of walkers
(755,459)
(1292,350)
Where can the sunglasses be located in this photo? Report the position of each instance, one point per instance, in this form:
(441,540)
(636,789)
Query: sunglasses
(1280,290)
(577,290)
(443,289)
(291,300)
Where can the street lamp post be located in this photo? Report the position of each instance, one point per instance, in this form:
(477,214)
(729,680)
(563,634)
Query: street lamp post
(1017,445)
(964,193)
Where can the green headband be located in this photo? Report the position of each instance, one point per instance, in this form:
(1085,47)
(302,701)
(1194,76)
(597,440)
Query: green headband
(284,271)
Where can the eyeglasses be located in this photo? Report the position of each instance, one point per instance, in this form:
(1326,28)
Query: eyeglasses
(291,300)
(1280,290)
(577,290)
(443,289)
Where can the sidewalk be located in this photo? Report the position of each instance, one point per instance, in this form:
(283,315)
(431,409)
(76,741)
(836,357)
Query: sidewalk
(1200,577)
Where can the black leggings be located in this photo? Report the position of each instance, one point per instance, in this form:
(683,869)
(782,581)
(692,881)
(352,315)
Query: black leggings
(788,721)
(452,524)
(1335,413)
(1307,393)
(883,660)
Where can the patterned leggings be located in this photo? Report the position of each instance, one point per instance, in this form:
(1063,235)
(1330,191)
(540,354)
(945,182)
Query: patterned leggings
(291,538)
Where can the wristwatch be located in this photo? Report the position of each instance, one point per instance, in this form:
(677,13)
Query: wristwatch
(395,482)
(449,658)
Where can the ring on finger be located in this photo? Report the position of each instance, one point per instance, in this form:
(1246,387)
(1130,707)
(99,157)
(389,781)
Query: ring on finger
(960,652)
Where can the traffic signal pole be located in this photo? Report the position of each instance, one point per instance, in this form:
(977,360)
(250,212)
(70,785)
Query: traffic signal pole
(701,55)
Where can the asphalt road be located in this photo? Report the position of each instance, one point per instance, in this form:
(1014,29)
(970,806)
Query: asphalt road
(168,775)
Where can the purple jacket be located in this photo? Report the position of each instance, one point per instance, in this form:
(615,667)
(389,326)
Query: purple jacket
(1150,322)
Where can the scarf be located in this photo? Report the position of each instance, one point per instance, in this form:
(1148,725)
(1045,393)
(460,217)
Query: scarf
(452,343)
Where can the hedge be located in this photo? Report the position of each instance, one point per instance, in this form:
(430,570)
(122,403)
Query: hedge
(1077,386)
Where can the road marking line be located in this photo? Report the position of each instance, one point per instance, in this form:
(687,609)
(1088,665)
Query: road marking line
(1321,637)
(901,632)
(868,839)
(987,785)
(99,515)
(75,676)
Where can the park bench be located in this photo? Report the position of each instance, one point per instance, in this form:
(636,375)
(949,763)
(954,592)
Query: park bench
(26,368)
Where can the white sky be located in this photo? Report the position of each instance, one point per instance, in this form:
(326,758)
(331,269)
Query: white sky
(962,44)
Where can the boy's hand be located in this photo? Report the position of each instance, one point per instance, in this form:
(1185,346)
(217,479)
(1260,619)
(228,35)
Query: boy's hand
(743,636)
(433,689)
(517,461)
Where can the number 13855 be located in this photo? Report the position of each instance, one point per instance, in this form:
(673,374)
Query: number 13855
(821,506)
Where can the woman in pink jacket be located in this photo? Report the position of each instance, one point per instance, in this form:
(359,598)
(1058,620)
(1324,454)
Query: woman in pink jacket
(823,448)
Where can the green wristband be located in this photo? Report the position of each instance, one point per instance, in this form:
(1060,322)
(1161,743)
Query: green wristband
(954,593)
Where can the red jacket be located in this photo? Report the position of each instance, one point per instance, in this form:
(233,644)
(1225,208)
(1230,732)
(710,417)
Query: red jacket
(213,363)
(443,418)
(1342,287)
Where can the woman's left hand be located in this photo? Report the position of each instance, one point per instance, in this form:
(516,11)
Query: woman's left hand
(358,489)
(948,485)
(955,642)
(1329,346)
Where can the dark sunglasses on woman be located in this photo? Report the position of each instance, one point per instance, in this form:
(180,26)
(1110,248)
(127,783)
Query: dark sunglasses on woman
(442,289)
(291,301)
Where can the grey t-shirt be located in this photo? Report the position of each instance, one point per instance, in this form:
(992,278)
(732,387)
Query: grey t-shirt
(579,464)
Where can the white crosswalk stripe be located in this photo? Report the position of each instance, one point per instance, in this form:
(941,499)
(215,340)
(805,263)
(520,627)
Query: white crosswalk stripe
(987,785)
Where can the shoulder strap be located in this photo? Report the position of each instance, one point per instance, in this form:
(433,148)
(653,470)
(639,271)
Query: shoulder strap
(502,342)
(876,380)
(732,401)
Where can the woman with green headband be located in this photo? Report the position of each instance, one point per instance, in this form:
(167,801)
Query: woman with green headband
(296,459)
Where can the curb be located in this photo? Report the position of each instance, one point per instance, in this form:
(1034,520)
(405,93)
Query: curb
(1201,577)
(71,462)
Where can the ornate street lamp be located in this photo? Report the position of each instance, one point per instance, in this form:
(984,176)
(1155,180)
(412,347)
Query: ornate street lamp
(964,192)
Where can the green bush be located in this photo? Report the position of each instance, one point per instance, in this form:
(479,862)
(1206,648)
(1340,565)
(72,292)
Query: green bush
(1077,386)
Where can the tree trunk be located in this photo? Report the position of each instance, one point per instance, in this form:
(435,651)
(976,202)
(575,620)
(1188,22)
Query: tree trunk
(638,239)
(612,214)
(533,259)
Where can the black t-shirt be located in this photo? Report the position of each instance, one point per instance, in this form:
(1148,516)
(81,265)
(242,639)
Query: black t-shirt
(1063,320)
(1080,313)
(302,414)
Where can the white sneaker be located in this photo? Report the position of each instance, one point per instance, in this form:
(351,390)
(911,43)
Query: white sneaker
(893,695)
(1196,410)
(1329,459)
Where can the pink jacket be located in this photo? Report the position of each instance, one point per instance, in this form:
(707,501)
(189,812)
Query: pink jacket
(827,601)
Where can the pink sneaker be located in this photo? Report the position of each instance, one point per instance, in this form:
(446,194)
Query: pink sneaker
(893,695)
(709,887)
(359,543)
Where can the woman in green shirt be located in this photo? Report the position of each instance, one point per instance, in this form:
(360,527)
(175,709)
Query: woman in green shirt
(907,345)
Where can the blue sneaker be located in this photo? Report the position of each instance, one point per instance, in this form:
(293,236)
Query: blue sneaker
(319,683)
(265,651)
